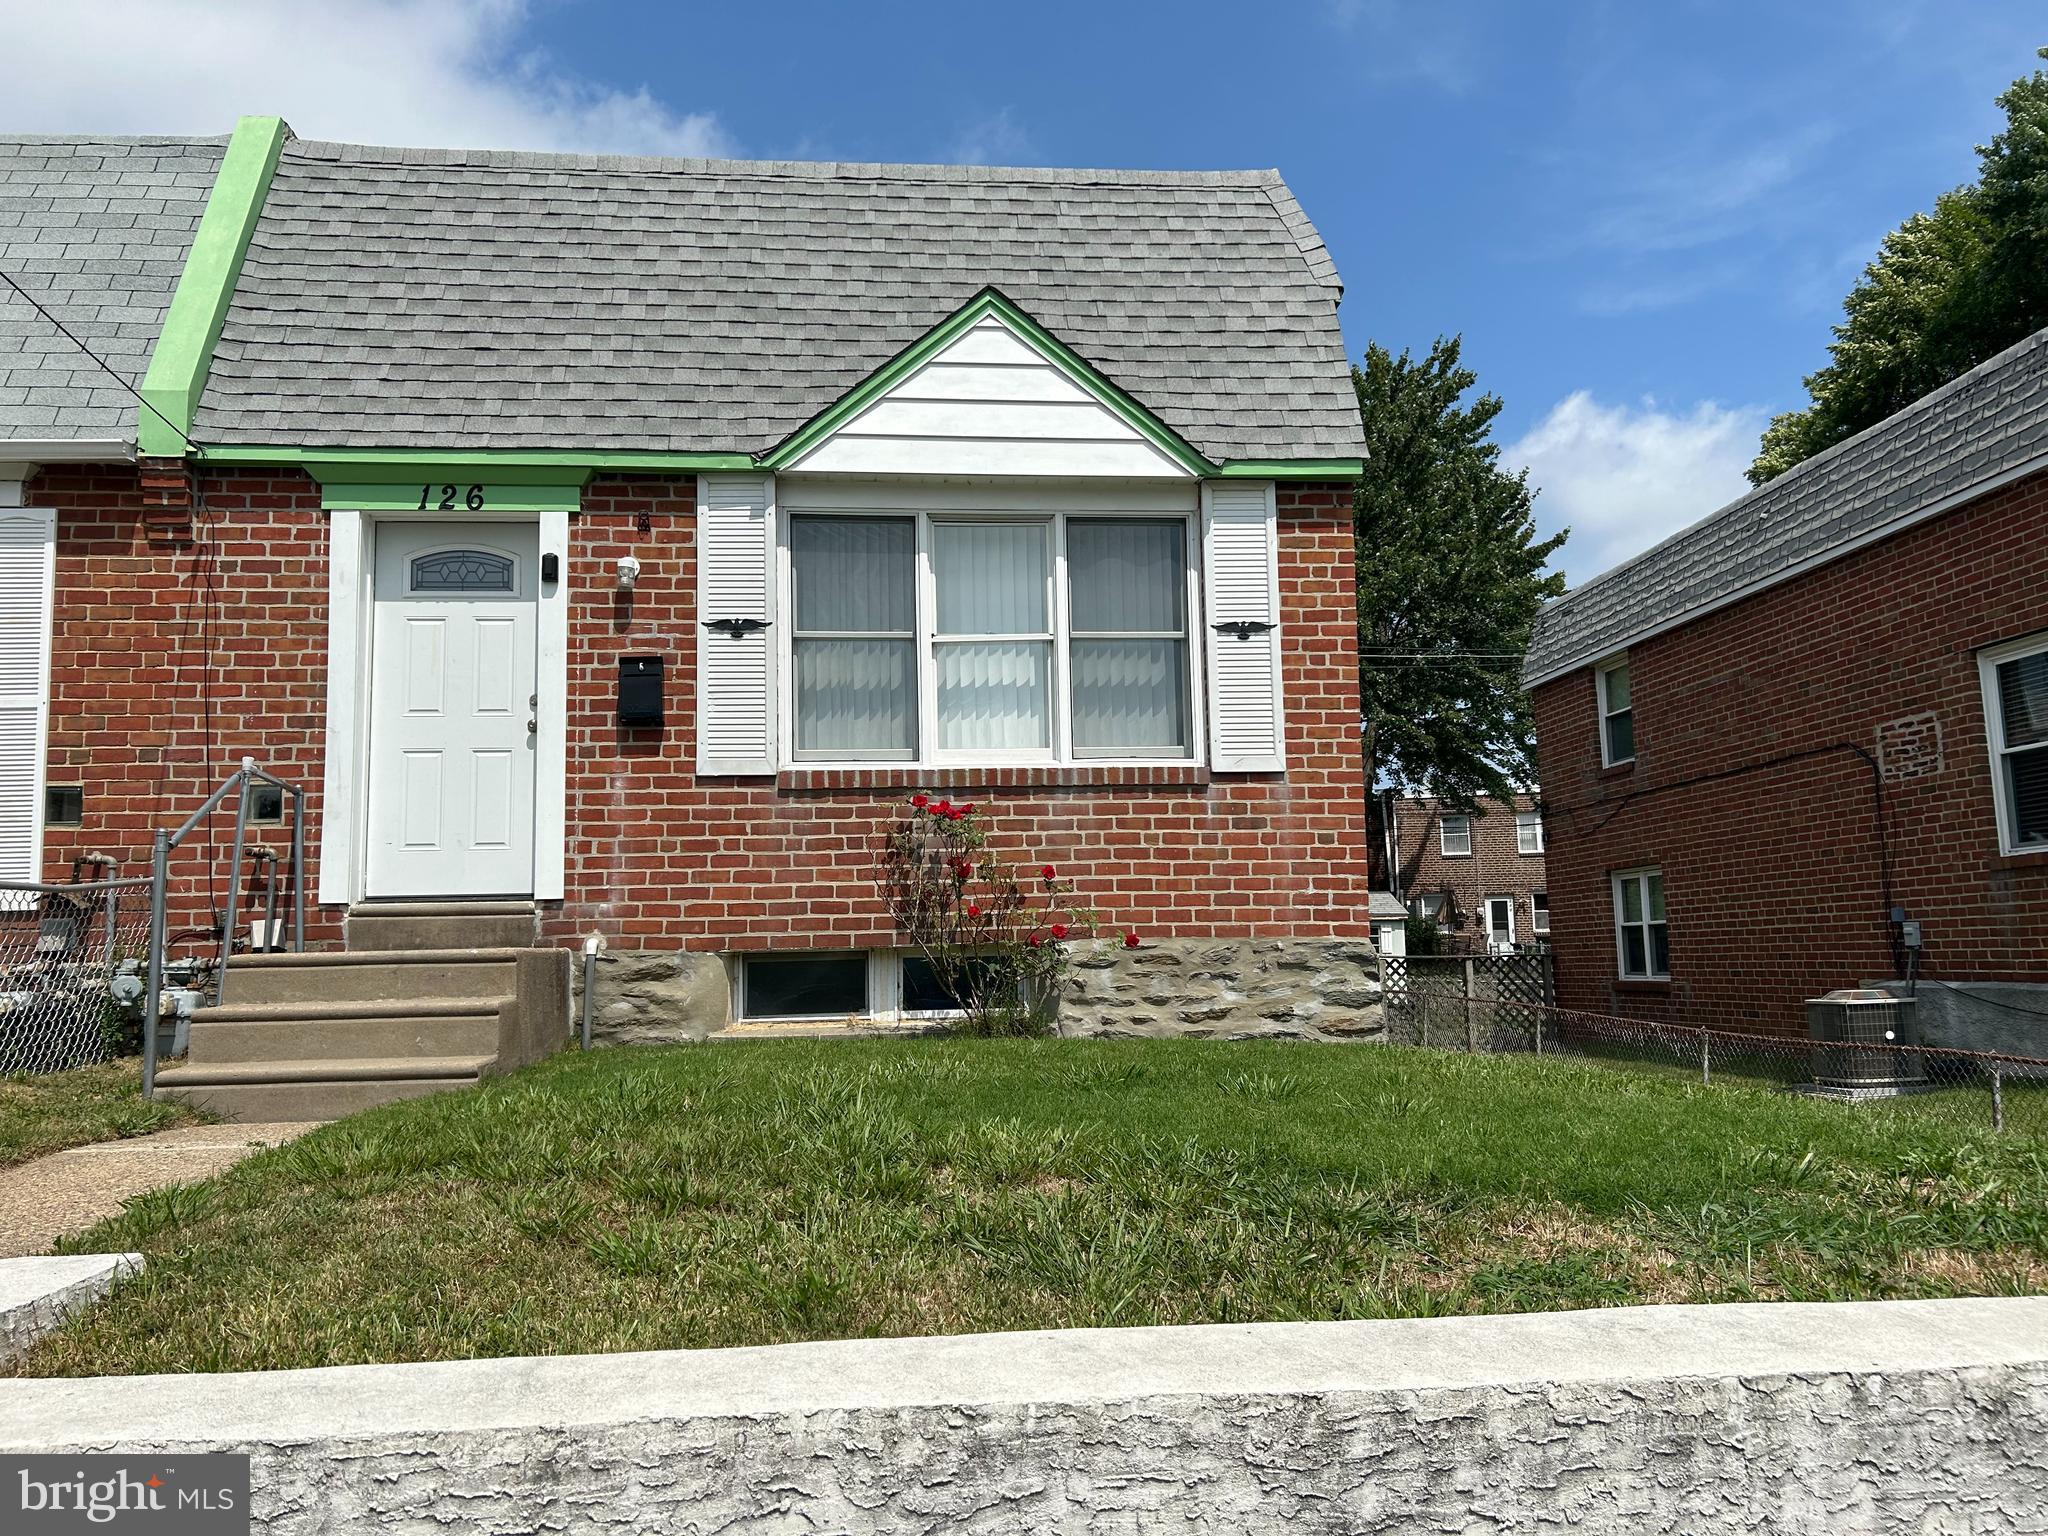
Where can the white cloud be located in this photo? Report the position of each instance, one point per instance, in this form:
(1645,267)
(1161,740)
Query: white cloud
(455,73)
(1624,477)
(997,139)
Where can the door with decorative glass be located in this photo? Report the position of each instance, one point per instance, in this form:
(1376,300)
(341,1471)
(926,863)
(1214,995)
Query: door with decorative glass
(452,710)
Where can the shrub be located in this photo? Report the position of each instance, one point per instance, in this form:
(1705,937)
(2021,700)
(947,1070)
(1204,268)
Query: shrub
(999,941)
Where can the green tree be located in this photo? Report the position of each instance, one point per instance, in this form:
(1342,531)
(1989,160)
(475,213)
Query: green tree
(1450,575)
(1947,290)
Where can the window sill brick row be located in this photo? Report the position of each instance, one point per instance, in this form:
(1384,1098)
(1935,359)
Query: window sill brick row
(1041,776)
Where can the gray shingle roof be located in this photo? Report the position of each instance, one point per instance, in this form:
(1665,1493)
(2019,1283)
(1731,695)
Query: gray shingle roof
(97,229)
(406,297)
(1987,425)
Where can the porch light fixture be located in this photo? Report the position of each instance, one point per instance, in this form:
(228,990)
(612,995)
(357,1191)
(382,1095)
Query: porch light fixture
(629,572)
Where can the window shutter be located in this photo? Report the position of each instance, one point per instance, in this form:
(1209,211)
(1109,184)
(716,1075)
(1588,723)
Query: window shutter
(1241,550)
(735,580)
(27,576)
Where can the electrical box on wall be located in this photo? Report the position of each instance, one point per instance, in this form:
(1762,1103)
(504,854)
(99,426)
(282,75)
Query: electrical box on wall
(640,701)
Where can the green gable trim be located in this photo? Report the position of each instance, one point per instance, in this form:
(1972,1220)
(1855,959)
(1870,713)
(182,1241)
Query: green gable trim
(184,351)
(398,464)
(990,301)
(1292,469)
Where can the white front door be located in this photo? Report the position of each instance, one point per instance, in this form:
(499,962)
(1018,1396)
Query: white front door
(1500,922)
(452,710)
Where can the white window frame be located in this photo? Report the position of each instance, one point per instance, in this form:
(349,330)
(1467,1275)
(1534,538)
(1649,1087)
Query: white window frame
(1649,973)
(1539,911)
(1601,673)
(1060,752)
(1430,905)
(1526,821)
(1988,663)
(1443,837)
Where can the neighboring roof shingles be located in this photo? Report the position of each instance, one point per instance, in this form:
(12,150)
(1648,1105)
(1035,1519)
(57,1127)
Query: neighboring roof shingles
(495,300)
(97,230)
(1991,421)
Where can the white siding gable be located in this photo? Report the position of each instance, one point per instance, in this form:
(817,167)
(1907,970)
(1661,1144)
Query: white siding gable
(988,404)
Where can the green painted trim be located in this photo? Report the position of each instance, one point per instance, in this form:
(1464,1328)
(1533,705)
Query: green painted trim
(394,464)
(191,329)
(404,496)
(1292,469)
(990,301)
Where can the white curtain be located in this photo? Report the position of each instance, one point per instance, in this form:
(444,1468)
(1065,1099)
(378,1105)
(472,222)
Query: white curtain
(994,695)
(855,581)
(1128,586)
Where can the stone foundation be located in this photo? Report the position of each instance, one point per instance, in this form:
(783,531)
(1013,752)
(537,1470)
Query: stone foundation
(1230,989)
(1302,989)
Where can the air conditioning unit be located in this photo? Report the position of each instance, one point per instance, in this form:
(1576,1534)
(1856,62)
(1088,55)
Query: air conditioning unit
(1861,1043)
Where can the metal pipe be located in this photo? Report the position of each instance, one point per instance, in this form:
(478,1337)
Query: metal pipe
(227,934)
(269,901)
(152,994)
(592,948)
(298,870)
(1997,1097)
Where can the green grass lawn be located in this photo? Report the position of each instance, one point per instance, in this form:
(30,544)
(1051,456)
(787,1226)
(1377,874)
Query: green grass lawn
(56,1110)
(742,1194)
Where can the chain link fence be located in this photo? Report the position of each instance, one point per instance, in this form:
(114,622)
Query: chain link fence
(71,964)
(1432,1005)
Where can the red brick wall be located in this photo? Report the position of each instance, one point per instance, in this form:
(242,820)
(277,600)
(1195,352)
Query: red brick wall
(656,856)
(1773,875)
(1495,867)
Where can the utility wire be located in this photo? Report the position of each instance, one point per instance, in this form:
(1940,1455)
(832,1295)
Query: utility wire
(111,372)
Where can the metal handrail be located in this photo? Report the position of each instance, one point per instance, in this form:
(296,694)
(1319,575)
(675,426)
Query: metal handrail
(159,894)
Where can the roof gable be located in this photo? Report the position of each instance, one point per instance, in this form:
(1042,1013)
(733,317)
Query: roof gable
(988,391)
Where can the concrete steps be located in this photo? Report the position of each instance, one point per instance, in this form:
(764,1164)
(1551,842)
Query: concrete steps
(318,1035)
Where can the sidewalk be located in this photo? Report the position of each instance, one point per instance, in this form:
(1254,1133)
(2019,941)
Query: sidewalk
(69,1191)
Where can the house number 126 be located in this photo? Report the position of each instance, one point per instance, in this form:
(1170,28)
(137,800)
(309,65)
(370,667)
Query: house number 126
(472,499)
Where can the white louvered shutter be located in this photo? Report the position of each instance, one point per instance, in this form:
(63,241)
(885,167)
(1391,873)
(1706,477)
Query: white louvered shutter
(735,580)
(1241,554)
(27,573)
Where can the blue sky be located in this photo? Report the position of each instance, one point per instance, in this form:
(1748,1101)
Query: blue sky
(1642,217)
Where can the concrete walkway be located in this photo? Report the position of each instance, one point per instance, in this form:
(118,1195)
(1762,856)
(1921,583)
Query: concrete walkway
(66,1192)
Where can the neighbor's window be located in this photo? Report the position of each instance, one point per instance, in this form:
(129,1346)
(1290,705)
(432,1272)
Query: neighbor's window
(1455,835)
(1539,911)
(803,986)
(2016,721)
(1528,831)
(1617,715)
(1642,939)
(1429,906)
(937,637)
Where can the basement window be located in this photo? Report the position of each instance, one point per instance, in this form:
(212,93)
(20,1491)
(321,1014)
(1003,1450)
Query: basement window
(64,805)
(828,986)
(265,805)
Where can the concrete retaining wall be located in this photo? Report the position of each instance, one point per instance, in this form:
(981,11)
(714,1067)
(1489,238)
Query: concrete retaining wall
(1860,1417)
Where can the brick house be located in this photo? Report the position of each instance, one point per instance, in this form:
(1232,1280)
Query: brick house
(1027,486)
(1479,875)
(1794,739)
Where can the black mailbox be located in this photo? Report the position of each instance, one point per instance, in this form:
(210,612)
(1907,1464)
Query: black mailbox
(640,690)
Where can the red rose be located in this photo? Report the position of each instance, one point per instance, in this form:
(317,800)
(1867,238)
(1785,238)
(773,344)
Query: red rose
(945,807)
(967,809)
(973,910)
(1034,941)
(1059,930)
(920,801)
(1048,873)
(1131,939)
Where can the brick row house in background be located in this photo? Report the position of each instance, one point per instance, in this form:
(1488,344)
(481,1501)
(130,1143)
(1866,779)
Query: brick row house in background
(623,541)
(1478,874)
(1803,744)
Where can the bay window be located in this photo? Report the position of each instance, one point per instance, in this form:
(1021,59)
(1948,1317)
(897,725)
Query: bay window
(936,637)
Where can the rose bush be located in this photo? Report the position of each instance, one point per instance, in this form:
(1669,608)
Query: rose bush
(998,944)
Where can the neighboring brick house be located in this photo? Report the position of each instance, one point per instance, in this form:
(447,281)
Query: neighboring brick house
(1784,743)
(1479,874)
(1033,487)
